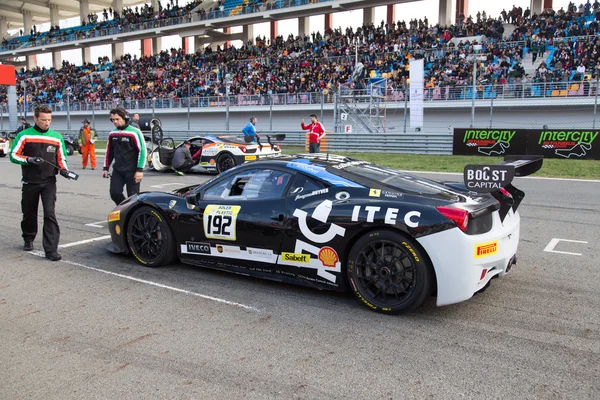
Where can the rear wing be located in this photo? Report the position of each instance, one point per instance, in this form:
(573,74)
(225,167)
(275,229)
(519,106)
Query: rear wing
(524,165)
(494,177)
(488,178)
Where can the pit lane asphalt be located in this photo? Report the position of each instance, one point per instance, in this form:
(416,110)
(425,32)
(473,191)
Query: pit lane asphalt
(70,332)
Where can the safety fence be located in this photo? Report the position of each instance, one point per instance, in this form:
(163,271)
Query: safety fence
(439,94)
(334,142)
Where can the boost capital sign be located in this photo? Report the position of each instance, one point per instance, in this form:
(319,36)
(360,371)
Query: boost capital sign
(488,178)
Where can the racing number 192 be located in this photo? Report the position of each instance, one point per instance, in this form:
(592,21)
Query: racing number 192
(219,221)
(219,225)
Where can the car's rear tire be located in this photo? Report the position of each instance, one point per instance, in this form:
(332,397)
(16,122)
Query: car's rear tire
(225,162)
(150,238)
(388,272)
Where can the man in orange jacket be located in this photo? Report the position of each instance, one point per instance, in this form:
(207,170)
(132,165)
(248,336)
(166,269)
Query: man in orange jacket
(87,137)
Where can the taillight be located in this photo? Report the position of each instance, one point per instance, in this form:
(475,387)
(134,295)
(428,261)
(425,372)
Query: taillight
(505,192)
(243,149)
(460,217)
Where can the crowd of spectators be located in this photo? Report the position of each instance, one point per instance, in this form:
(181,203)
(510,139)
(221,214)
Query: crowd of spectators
(110,22)
(142,17)
(324,62)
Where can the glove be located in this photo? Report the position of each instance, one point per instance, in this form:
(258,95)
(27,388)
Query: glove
(69,174)
(35,160)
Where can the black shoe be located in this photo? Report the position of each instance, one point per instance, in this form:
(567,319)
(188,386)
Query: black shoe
(53,256)
(28,246)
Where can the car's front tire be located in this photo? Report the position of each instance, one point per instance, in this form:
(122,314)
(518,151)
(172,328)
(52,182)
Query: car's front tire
(225,162)
(70,150)
(388,272)
(150,238)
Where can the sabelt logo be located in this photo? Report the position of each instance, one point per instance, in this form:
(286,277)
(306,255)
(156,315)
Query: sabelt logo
(486,249)
(294,257)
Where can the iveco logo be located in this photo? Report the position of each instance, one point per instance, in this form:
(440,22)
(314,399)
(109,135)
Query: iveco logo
(198,248)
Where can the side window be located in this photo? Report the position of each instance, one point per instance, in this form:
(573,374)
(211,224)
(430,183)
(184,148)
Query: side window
(305,184)
(250,185)
(218,191)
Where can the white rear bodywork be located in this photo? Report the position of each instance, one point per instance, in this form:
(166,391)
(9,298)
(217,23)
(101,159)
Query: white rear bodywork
(458,271)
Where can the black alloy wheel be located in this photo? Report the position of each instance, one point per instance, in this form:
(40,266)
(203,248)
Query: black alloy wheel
(150,239)
(388,272)
(225,162)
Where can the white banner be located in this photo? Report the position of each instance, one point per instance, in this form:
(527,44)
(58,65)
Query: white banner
(416,94)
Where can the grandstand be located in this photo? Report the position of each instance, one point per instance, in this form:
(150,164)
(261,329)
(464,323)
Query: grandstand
(542,56)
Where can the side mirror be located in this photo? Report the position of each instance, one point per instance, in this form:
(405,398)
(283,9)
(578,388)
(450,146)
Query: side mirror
(192,199)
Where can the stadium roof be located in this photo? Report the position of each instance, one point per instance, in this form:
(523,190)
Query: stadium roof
(40,9)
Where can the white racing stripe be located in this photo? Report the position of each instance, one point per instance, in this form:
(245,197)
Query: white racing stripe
(64,246)
(155,284)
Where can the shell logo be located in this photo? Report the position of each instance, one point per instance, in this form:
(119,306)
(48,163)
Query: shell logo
(212,161)
(328,257)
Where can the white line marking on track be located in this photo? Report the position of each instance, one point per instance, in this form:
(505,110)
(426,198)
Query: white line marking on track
(64,246)
(554,242)
(97,224)
(156,284)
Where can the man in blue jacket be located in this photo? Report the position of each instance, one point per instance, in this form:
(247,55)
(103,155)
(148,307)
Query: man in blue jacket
(250,130)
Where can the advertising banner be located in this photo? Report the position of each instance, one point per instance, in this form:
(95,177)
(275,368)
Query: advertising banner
(572,144)
(567,144)
(417,86)
(488,142)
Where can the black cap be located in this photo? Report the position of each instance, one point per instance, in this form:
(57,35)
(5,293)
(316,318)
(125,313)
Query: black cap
(187,142)
(86,120)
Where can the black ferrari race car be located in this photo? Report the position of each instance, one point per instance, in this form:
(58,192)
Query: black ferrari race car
(337,223)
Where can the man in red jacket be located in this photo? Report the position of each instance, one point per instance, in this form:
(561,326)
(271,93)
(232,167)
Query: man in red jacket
(316,133)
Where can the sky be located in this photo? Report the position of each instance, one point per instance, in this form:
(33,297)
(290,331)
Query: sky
(405,11)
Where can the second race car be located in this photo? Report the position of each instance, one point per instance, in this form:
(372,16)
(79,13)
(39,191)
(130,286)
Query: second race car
(337,223)
(219,153)
(4,144)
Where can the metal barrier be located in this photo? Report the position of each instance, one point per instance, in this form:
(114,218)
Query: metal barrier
(388,143)
(525,92)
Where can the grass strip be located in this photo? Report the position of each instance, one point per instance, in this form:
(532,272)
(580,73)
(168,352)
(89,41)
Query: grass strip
(553,167)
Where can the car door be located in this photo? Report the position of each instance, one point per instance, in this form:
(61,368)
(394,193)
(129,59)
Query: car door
(308,251)
(238,222)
